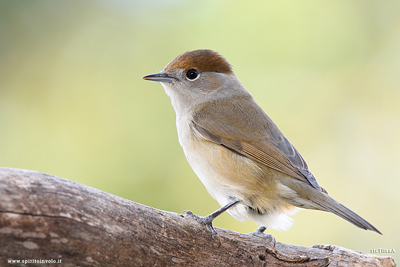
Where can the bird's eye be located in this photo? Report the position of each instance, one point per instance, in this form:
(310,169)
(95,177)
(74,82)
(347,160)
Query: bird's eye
(192,74)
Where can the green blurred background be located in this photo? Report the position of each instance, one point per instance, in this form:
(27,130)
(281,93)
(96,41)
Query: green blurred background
(73,104)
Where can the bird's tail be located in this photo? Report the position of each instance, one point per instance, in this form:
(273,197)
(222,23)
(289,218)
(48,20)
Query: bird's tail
(329,204)
(310,198)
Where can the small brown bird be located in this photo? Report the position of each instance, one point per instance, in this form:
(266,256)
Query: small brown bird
(236,150)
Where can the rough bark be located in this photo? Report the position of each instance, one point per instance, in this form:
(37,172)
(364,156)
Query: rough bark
(43,217)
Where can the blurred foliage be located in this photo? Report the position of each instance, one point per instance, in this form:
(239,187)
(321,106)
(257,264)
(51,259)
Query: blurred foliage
(72,102)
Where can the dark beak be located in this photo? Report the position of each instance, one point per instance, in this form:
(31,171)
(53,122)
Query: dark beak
(159,77)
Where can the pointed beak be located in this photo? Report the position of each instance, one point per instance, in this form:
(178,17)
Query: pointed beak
(159,77)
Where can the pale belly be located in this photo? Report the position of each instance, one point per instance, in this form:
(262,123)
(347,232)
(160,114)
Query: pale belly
(227,175)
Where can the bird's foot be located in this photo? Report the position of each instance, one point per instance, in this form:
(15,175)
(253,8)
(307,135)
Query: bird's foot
(326,247)
(260,233)
(207,222)
(203,220)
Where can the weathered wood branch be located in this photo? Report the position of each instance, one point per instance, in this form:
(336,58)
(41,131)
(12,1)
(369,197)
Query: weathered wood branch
(43,217)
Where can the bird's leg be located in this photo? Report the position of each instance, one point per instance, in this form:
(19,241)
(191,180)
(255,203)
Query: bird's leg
(260,233)
(210,218)
(260,230)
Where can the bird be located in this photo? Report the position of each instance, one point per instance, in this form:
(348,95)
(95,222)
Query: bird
(245,162)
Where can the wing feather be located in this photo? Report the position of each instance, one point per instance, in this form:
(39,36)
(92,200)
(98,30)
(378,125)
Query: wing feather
(251,133)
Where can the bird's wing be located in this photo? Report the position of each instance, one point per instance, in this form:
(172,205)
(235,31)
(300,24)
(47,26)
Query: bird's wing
(241,126)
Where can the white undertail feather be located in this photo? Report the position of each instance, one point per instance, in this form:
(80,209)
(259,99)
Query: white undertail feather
(276,220)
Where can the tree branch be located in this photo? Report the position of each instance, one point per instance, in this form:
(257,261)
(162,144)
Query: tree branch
(43,217)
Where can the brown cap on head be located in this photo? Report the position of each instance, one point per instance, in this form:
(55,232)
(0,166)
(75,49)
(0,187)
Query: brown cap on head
(204,60)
